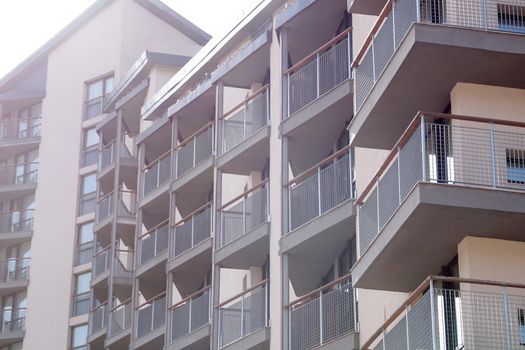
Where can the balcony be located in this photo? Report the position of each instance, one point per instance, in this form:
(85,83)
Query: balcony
(244,229)
(19,135)
(190,322)
(122,267)
(18,180)
(125,210)
(107,160)
(321,219)
(156,177)
(474,315)
(100,265)
(16,226)
(98,318)
(153,247)
(423,48)
(150,320)
(119,328)
(191,249)
(459,176)
(13,326)
(243,320)
(245,138)
(14,275)
(194,167)
(319,98)
(324,318)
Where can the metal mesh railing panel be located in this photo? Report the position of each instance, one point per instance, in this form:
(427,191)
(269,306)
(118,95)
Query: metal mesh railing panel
(384,45)
(233,130)
(364,78)
(333,67)
(101,262)
(302,87)
(368,225)
(200,311)
(388,195)
(304,201)
(203,146)
(257,113)
(509,159)
(410,164)
(120,319)
(202,226)
(154,243)
(420,324)
(180,324)
(335,183)
(338,312)
(151,316)
(405,12)
(232,223)
(396,338)
(185,158)
(182,238)
(305,326)
(158,174)
(256,209)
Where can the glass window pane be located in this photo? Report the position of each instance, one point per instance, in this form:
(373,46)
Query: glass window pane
(89,184)
(109,85)
(82,285)
(86,233)
(79,336)
(95,89)
(90,137)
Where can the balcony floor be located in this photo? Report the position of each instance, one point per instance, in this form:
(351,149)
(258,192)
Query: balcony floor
(8,338)
(258,340)
(197,340)
(423,234)
(428,63)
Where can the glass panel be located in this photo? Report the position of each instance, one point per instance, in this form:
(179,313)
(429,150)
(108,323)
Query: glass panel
(89,184)
(79,336)
(95,89)
(108,85)
(90,137)
(85,233)
(83,283)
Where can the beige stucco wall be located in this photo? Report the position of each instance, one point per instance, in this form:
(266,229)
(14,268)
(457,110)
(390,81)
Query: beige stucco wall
(361,27)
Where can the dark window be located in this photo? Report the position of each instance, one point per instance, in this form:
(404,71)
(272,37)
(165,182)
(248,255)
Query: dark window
(511,18)
(515,166)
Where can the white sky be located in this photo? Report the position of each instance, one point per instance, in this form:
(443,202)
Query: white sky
(25,25)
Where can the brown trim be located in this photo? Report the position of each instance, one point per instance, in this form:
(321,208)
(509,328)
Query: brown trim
(156,160)
(308,58)
(218,306)
(191,214)
(121,304)
(248,99)
(261,184)
(321,163)
(156,297)
(309,296)
(162,223)
(99,306)
(174,306)
(194,135)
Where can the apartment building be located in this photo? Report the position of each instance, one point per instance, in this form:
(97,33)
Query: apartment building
(328,174)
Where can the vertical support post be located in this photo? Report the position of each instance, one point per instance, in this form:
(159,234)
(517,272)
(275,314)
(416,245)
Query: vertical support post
(393,23)
(349,53)
(493,156)
(377,205)
(373,58)
(266,291)
(432,295)
(506,315)
(219,119)
(287,204)
(189,315)
(194,151)
(192,230)
(244,214)
(318,72)
(384,339)
(423,149)
(408,331)
(174,157)
(319,190)
(244,122)
(283,36)
(321,335)
(418,11)
(287,327)
(485,21)
(242,316)
(399,174)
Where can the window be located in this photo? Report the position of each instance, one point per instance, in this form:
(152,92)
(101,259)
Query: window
(88,194)
(95,92)
(511,18)
(79,337)
(85,243)
(81,297)
(521,322)
(90,147)
(515,166)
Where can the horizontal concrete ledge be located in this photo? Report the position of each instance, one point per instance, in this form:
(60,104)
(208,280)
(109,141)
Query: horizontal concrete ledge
(190,175)
(7,338)
(152,340)
(258,340)
(291,11)
(197,340)
(151,263)
(190,254)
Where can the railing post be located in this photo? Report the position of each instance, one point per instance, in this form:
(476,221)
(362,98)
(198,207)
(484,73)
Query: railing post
(377,206)
(321,335)
(418,11)
(485,23)
(289,208)
(423,150)
(432,295)
(493,156)
(244,215)
(242,316)
(288,93)
(319,190)
(373,58)
(189,316)
(408,332)
(506,315)
(349,53)
(158,173)
(192,230)
(266,291)
(318,73)
(244,117)
(194,151)
(399,173)
(394,23)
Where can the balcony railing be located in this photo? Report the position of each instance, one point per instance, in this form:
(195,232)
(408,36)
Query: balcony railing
(16,221)
(243,314)
(123,262)
(98,318)
(157,173)
(194,150)
(473,314)
(15,269)
(320,188)
(398,16)
(81,303)
(243,214)
(120,318)
(319,72)
(101,261)
(150,316)
(246,119)
(191,230)
(466,151)
(13,320)
(20,129)
(109,152)
(154,242)
(323,315)
(126,205)
(190,314)
(19,174)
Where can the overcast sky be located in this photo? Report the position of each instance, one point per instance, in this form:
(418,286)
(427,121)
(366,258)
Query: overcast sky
(25,25)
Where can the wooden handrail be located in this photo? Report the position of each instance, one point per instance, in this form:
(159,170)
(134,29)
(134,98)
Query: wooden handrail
(315,292)
(156,297)
(246,100)
(191,214)
(261,184)
(218,306)
(195,134)
(410,131)
(156,160)
(421,289)
(104,249)
(193,295)
(121,304)
(313,169)
(382,16)
(308,58)
(164,222)
(99,306)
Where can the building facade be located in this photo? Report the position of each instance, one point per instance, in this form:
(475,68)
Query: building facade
(327,174)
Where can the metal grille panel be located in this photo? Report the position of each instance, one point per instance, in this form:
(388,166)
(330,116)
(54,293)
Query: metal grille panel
(410,164)
(384,45)
(368,225)
(364,78)
(388,195)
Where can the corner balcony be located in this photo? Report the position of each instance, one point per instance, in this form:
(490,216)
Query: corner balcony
(153,249)
(244,229)
(14,275)
(324,318)
(121,151)
(473,315)
(243,322)
(119,326)
(18,180)
(98,318)
(122,269)
(191,249)
(245,139)
(194,168)
(19,136)
(321,219)
(443,181)
(423,48)
(16,226)
(12,326)
(319,100)
(149,324)
(189,322)
(125,211)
